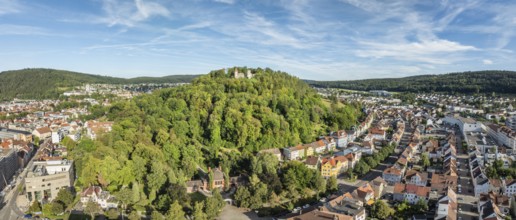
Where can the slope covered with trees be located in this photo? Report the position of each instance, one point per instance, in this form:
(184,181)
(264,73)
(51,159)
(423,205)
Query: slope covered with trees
(50,83)
(160,140)
(488,81)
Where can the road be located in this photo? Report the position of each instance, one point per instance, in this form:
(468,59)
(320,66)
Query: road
(467,202)
(11,211)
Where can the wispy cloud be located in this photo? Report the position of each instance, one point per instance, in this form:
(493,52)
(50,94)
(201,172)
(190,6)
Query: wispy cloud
(127,13)
(226,1)
(487,61)
(9,7)
(10,29)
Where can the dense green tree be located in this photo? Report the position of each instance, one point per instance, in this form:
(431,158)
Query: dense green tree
(425,160)
(332,184)
(35,207)
(65,197)
(175,212)
(242,197)
(92,208)
(112,214)
(198,212)
(381,210)
(134,215)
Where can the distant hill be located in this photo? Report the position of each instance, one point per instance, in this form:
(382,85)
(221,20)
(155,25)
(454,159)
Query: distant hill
(50,83)
(465,82)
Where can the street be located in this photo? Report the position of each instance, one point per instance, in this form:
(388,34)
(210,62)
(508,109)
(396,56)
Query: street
(11,211)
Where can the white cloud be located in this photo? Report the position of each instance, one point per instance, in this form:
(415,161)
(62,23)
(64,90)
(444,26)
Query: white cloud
(9,29)
(487,61)
(130,13)
(226,1)
(430,52)
(9,7)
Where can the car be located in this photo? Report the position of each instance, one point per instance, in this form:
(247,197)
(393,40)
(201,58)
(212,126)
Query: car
(306,206)
(323,199)
(460,209)
(27,216)
(460,199)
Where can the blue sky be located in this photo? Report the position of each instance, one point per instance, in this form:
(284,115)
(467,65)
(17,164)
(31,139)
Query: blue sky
(319,39)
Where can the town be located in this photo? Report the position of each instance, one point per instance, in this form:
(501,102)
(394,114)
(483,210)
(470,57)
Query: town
(435,158)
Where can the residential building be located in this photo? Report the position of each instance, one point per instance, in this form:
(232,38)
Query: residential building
(489,211)
(330,167)
(411,193)
(313,162)
(481,185)
(274,151)
(378,185)
(97,195)
(417,178)
(45,178)
(346,206)
(447,206)
(8,165)
(510,187)
(94,128)
(511,122)
(503,202)
(42,133)
(441,182)
(294,153)
(341,138)
(392,175)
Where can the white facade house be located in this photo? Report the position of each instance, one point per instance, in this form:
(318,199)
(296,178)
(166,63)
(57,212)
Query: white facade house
(510,188)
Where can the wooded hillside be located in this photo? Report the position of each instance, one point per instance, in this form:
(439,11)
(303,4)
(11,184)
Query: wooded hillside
(466,82)
(50,83)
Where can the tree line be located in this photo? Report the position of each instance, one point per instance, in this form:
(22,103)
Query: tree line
(485,82)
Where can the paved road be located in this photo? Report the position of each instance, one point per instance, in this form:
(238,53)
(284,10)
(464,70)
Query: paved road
(11,211)
(467,200)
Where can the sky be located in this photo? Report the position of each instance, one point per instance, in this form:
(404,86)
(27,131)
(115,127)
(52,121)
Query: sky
(311,39)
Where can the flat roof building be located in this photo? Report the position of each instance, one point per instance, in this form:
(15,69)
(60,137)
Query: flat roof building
(46,178)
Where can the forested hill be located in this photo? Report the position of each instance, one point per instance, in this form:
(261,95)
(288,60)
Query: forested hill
(159,140)
(466,82)
(50,83)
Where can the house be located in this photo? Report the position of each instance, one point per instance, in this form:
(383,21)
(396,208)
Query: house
(353,158)
(377,134)
(313,162)
(218,178)
(447,206)
(496,186)
(97,195)
(274,151)
(42,133)
(330,167)
(441,182)
(347,206)
(94,128)
(316,214)
(330,142)
(503,202)
(294,153)
(378,185)
(417,178)
(411,193)
(489,211)
(309,150)
(319,147)
(392,175)
(345,163)
(510,187)
(365,193)
(341,138)
(481,185)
